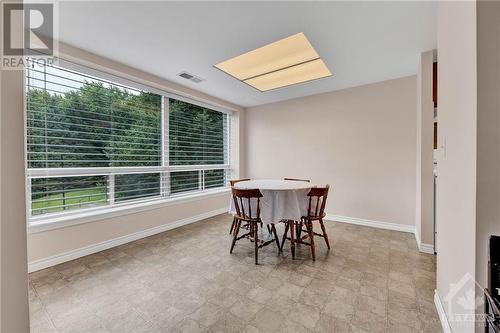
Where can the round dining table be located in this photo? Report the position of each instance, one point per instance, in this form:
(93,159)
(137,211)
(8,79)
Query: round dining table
(282,199)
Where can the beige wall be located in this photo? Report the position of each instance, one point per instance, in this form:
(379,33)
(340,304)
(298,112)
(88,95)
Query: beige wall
(456,189)
(425,132)
(42,245)
(488,132)
(359,140)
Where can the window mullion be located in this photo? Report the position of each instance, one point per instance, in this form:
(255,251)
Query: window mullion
(165,149)
(111,189)
(227,147)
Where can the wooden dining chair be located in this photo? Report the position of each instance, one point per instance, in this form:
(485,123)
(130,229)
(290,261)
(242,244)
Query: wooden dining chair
(297,179)
(232,182)
(315,212)
(250,197)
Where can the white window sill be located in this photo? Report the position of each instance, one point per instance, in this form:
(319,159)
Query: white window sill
(67,220)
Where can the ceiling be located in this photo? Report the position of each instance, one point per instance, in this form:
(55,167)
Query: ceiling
(360,42)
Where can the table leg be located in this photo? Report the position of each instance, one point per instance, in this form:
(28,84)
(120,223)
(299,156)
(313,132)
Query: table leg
(292,238)
(287,226)
(273,228)
(256,241)
(298,233)
(311,239)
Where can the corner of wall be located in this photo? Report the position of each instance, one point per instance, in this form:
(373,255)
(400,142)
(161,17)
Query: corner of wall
(14,276)
(424,161)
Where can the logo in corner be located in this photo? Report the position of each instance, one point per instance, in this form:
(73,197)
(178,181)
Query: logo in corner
(28,33)
(464,300)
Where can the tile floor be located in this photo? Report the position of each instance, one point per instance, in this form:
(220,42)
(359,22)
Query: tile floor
(185,280)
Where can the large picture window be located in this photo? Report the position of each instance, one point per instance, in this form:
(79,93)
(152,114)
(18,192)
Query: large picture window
(94,143)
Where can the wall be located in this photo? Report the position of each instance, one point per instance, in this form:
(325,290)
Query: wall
(49,247)
(359,140)
(14,312)
(14,281)
(488,132)
(456,188)
(425,133)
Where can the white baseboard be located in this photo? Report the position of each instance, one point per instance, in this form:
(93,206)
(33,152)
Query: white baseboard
(426,248)
(417,238)
(442,315)
(423,247)
(84,251)
(372,223)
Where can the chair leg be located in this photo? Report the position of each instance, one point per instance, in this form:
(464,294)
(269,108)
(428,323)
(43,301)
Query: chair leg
(275,235)
(235,234)
(311,239)
(287,225)
(292,240)
(232,225)
(256,242)
(325,236)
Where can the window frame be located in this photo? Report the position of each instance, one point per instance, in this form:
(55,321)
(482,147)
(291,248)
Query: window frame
(87,214)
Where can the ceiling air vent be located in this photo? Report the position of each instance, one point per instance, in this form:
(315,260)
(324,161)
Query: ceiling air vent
(190,77)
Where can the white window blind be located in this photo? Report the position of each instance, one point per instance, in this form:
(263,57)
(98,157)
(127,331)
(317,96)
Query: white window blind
(75,120)
(94,143)
(197,136)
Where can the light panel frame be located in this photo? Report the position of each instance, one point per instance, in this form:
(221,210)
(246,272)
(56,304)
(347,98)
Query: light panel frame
(278,59)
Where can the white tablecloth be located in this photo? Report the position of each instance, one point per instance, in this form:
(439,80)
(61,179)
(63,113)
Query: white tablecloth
(282,199)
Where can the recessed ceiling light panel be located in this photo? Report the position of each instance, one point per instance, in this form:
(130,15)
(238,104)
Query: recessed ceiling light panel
(288,61)
(311,70)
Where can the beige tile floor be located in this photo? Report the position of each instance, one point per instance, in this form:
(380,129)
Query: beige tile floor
(185,280)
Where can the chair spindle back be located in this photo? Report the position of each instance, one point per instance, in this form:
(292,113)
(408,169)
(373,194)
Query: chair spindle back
(240,197)
(317,201)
